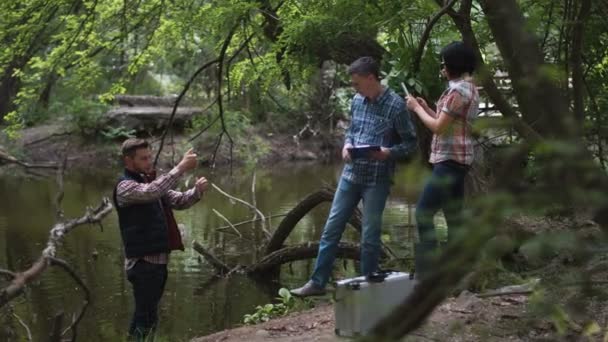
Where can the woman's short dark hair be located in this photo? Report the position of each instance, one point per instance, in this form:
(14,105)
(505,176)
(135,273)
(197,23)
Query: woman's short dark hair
(459,58)
(365,66)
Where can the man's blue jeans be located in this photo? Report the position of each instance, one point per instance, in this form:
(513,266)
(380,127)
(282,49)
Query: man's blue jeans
(445,191)
(345,201)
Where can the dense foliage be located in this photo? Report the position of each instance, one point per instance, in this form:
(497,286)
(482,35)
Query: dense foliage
(282,63)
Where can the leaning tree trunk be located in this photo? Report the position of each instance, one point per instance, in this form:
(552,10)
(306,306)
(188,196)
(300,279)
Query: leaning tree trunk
(297,213)
(306,251)
(546,110)
(277,254)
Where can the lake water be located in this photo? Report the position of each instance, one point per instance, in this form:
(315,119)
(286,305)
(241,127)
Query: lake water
(195,302)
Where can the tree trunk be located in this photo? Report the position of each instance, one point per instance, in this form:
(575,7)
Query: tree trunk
(300,252)
(576,61)
(295,215)
(462,20)
(9,86)
(543,107)
(539,98)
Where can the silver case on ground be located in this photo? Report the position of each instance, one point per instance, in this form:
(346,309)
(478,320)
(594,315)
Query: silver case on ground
(360,304)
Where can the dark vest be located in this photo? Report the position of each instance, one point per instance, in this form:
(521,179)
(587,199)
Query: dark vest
(143,226)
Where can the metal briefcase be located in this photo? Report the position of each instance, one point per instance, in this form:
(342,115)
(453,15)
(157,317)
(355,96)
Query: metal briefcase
(360,304)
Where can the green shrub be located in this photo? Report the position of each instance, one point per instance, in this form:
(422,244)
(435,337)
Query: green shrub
(286,303)
(85,115)
(115,133)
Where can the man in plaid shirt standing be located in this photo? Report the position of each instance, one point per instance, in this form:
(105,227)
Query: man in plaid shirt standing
(379,118)
(147,226)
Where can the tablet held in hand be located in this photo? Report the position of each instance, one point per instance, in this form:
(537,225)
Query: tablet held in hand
(362,151)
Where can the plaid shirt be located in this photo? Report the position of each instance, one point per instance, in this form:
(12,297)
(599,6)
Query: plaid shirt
(384,122)
(460,101)
(131,192)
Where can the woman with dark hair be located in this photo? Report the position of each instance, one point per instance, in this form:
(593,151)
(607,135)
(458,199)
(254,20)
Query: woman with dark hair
(451,149)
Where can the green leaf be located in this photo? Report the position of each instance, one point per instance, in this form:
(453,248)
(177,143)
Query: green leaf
(285,294)
(592,329)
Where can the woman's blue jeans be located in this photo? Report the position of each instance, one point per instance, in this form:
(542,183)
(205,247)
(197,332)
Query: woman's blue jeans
(444,190)
(345,201)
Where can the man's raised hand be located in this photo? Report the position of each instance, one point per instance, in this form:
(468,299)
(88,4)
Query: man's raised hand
(188,161)
(201,184)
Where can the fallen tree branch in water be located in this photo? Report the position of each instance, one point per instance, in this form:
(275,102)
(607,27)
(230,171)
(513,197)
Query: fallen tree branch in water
(227,221)
(248,221)
(255,204)
(87,295)
(220,267)
(247,204)
(298,212)
(56,236)
(276,253)
(27,329)
(300,252)
(284,255)
(294,216)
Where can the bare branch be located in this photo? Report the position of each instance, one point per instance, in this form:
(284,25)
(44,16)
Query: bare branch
(249,221)
(254,202)
(176,104)
(220,103)
(549,22)
(227,221)
(576,60)
(60,192)
(510,293)
(247,204)
(27,329)
(301,252)
(217,146)
(427,33)
(221,267)
(218,99)
(56,330)
(7,274)
(208,126)
(87,295)
(56,236)
(298,212)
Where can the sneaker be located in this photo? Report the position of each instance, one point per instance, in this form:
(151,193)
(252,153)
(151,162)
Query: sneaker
(309,289)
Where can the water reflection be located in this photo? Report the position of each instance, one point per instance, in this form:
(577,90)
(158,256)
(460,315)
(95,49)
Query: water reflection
(195,303)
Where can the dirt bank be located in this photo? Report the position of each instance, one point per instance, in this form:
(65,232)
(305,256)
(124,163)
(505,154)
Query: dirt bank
(466,318)
(557,308)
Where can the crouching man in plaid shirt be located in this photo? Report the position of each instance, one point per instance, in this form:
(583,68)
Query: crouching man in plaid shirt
(379,118)
(147,226)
